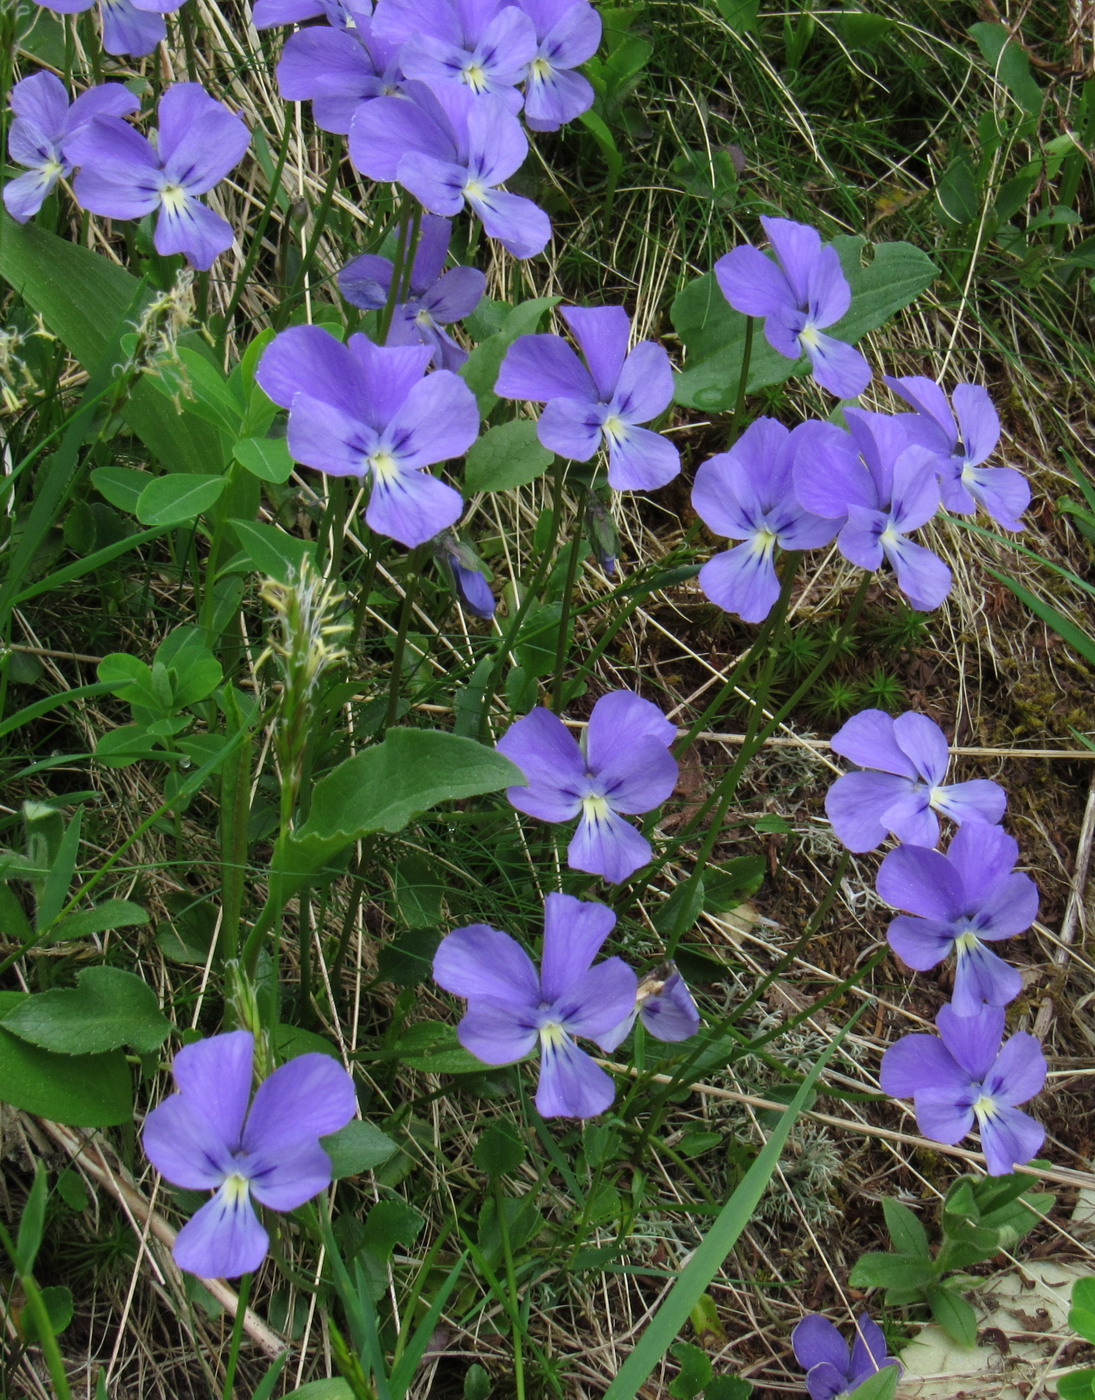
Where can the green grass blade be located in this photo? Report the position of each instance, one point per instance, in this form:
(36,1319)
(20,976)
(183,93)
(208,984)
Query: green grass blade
(674,1311)
(1076,637)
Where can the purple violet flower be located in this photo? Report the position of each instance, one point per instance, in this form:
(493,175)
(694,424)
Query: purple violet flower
(485,46)
(664,1005)
(567,33)
(601,402)
(364,410)
(879,485)
(123,175)
(205,1138)
(963,1076)
(958,900)
(43,122)
(623,764)
(437,297)
(962,446)
(832,1369)
(129,27)
(450,148)
(510,1007)
(339,14)
(337,69)
(465,569)
(908,758)
(747,494)
(799,294)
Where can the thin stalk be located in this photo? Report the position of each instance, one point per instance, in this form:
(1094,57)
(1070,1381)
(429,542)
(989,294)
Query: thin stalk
(406,245)
(564,620)
(237,1338)
(743,376)
(255,248)
(318,228)
(410,592)
(511,1283)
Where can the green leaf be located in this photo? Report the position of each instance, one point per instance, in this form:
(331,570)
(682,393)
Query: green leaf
(357,1148)
(906,1232)
(875,1270)
(695,1371)
(726,886)
(197,382)
(499,1150)
(714,333)
(506,456)
(681,910)
(480,370)
(740,15)
(32,1224)
(1011,66)
(57,1301)
(407,961)
(385,787)
(111,914)
(1081,1318)
(954,1315)
(334,1388)
(957,194)
(881,1386)
(178,498)
(1076,1385)
(432,1046)
(419,890)
(86,1091)
(121,486)
(107,1008)
(705,1261)
(728,1388)
(266,458)
(44,270)
(271,551)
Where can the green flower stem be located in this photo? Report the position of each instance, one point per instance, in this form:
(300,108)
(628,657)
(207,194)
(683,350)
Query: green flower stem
(406,246)
(574,555)
(410,592)
(308,257)
(511,1284)
(255,249)
(244,1292)
(743,376)
(513,628)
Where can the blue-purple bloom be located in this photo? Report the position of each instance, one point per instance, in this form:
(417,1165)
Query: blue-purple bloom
(832,1368)
(437,298)
(129,26)
(365,410)
(510,1007)
(962,439)
(485,46)
(664,1005)
(747,494)
(965,1076)
(206,1138)
(903,789)
(960,900)
(798,295)
(450,148)
(337,69)
(623,764)
(567,33)
(124,175)
(43,122)
(880,485)
(465,569)
(600,402)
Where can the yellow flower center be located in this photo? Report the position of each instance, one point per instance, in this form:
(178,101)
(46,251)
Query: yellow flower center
(614,428)
(174,198)
(595,809)
(475,78)
(236,1188)
(808,335)
(383,466)
(985,1107)
(540,69)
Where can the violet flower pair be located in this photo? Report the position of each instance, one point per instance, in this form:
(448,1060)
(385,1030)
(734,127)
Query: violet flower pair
(512,1008)
(832,1367)
(621,765)
(129,26)
(211,1136)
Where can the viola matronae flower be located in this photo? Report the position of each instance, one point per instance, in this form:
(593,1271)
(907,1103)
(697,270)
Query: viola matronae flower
(465,569)
(206,1138)
(43,122)
(880,485)
(747,494)
(567,33)
(962,439)
(601,402)
(123,175)
(365,410)
(511,1008)
(798,295)
(129,26)
(909,758)
(958,901)
(450,148)
(664,1005)
(964,1076)
(832,1368)
(437,298)
(623,764)
(337,69)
